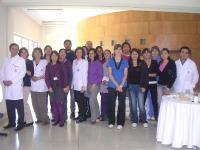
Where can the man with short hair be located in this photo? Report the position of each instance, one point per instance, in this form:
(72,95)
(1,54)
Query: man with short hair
(187,73)
(12,74)
(89,45)
(70,56)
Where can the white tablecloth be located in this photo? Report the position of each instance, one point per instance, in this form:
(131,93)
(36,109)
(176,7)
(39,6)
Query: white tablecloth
(178,123)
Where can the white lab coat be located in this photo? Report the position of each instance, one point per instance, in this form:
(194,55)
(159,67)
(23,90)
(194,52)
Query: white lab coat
(187,76)
(13,69)
(39,70)
(80,74)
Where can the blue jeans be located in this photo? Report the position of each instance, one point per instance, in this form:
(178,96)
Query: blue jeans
(137,99)
(149,105)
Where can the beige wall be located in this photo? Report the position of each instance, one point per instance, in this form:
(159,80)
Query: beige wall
(55,33)
(171,30)
(21,24)
(3,32)
(158,28)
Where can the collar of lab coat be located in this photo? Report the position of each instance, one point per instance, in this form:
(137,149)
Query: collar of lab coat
(15,57)
(186,61)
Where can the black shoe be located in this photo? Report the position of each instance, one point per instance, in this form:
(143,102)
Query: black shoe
(81,119)
(18,128)
(77,118)
(9,126)
(88,115)
(72,115)
(61,125)
(55,124)
(29,124)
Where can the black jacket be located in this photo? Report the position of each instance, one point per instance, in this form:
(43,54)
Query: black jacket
(168,76)
(137,75)
(153,69)
(27,78)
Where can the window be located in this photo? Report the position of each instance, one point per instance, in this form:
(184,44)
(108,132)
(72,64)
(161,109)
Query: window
(18,40)
(25,42)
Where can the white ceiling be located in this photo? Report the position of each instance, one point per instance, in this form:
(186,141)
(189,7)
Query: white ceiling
(64,14)
(168,5)
(76,10)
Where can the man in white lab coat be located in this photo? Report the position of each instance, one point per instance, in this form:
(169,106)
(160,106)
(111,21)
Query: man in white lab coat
(12,73)
(187,72)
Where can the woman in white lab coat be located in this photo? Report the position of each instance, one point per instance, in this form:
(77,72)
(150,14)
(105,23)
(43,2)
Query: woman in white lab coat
(39,88)
(79,82)
(187,73)
(12,73)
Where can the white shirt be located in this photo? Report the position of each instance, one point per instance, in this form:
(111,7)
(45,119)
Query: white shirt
(13,69)
(80,74)
(187,76)
(39,70)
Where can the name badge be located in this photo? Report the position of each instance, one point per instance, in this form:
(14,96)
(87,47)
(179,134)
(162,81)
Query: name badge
(55,78)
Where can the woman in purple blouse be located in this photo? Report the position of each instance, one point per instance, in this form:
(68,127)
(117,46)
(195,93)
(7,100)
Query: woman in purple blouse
(56,79)
(95,75)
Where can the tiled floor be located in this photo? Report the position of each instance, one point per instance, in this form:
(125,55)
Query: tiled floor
(82,136)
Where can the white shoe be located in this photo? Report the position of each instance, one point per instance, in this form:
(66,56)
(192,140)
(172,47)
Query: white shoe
(153,118)
(145,125)
(134,125)
(119,127)
(110,126)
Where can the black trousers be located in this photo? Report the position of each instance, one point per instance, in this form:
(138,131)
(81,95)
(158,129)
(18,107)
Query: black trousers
(87,107)
(79,98)
(154,97)
(113,94)
(13,105)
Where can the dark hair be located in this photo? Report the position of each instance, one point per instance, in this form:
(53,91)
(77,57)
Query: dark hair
(56,53)
(13,44)
(107,50)
(23,49)
(67,41)
(80,48)
(165,50)
(47,46)
(130,58)
(126,43)
(95,52)
(117,46)
(155,48)
(99,47)
(185,47)
(39,50)
(146,50)
(62,49)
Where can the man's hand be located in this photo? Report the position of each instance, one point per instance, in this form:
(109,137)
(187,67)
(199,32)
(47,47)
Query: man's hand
(7,82)
(66,90)
(50,90)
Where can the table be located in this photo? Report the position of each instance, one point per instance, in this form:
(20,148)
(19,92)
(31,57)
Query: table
(178,123)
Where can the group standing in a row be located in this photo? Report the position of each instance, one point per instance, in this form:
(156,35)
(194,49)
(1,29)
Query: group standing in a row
(144,76)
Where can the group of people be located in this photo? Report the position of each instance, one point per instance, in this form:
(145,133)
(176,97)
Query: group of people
(142,75)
